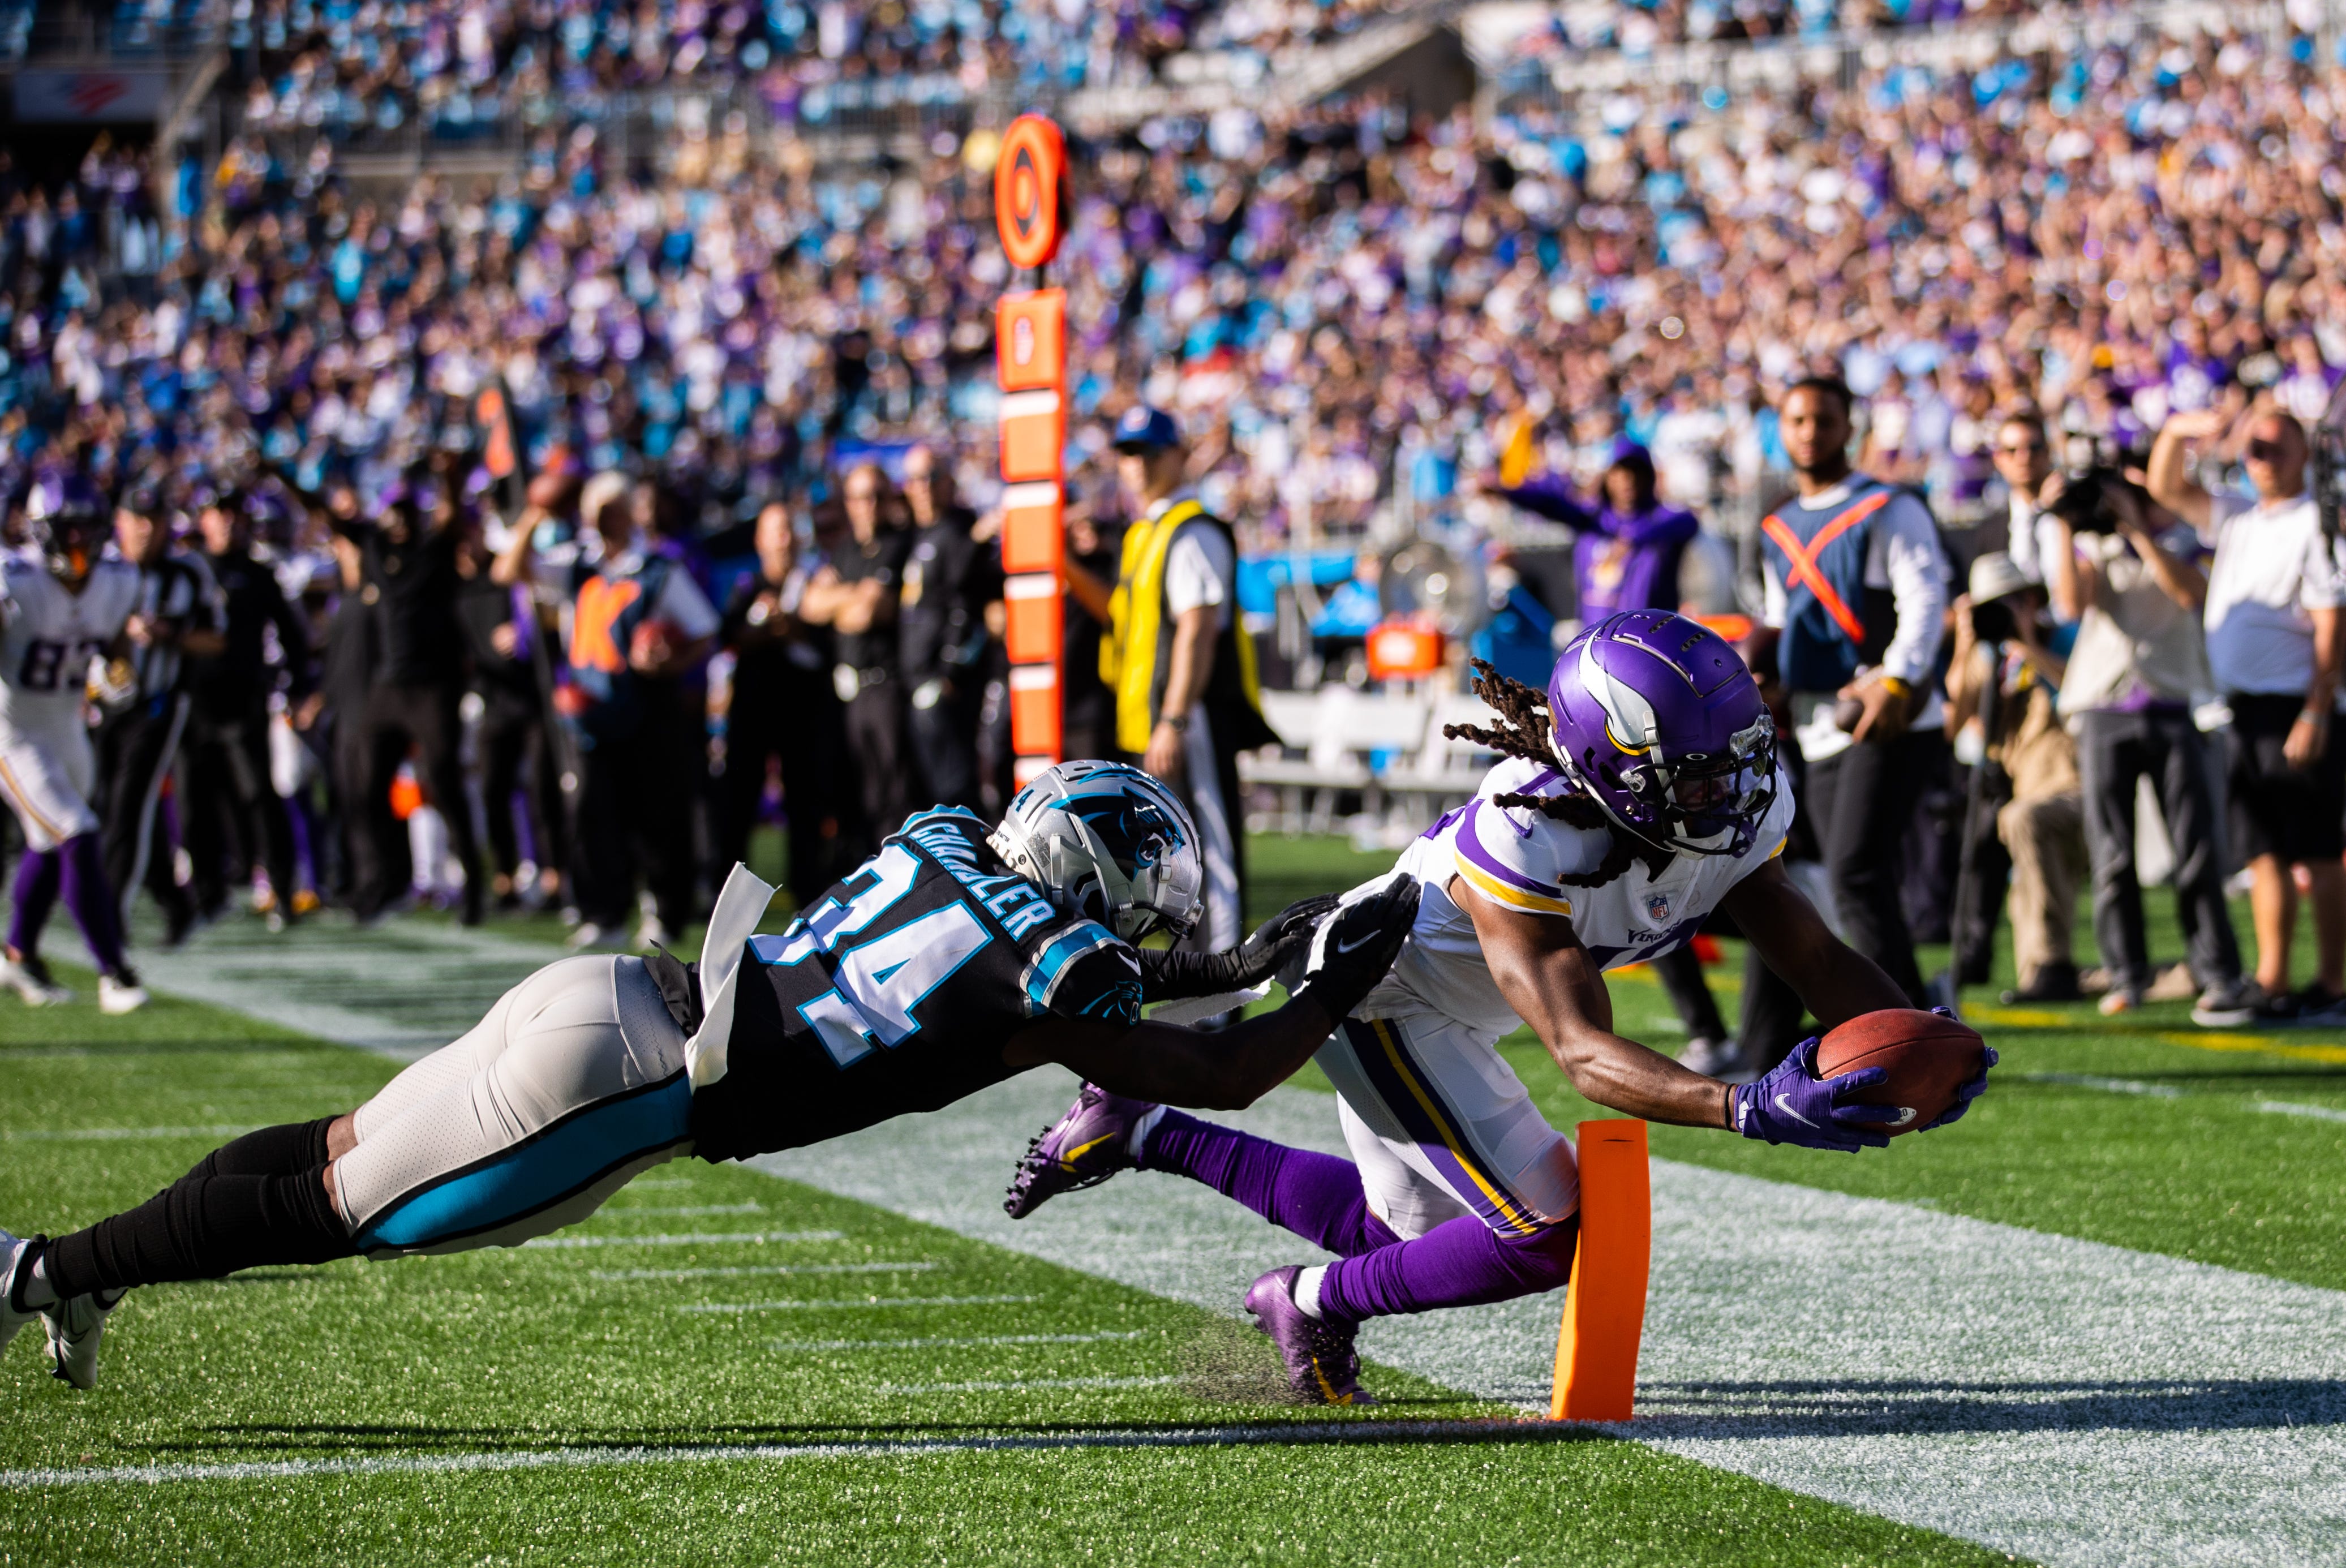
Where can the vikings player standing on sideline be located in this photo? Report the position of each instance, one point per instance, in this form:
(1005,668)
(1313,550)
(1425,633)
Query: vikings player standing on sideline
(63,609)
(1642,794)
(954,959)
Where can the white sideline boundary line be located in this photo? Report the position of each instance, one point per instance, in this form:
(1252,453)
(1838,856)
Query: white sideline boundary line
(695,1238)
(956,1341)
(110,1134)
(1265,1435)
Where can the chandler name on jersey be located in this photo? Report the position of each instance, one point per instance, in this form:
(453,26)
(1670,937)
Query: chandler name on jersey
(897,991)
(1517,858)
(49,634)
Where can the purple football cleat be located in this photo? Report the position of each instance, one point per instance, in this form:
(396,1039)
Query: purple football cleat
(1083,1148)
(1321,1364)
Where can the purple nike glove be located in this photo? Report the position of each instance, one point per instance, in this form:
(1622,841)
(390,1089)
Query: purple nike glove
(1968,1093)
(1790,1107)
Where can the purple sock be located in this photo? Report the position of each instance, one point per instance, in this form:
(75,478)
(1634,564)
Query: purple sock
(1461,1262)
(37,890)
(92,902)
(1318,1197)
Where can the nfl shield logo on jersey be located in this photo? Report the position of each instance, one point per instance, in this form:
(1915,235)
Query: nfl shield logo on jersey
(1657,907)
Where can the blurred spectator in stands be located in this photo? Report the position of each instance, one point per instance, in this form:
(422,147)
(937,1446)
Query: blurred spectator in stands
(857,592)
(2138,664)
(783,711)
(2274,592)
(2005,677)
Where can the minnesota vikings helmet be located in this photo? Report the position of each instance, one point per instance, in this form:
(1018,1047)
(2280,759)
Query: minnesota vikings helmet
(67,521)
(1107,843)
(1661,723)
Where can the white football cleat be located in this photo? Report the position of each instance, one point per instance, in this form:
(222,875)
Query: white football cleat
(29,978)
(74,1329)
(120,994)
(11,1253)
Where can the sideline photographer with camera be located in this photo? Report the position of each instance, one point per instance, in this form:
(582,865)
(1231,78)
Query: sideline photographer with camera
(2273,595)
(2004,673)
(2138,664)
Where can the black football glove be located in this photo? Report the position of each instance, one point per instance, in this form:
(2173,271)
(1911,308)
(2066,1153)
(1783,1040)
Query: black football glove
(1168,976)
(1354,946)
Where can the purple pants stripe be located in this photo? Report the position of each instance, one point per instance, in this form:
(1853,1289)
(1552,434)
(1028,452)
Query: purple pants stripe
(1408,1092)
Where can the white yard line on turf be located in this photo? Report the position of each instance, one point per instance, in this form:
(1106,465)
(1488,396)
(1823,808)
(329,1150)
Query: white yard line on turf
(108,1135)
(1018,1385)
(2073,1402)
(2111,1085)
(694,1238)
(936,1342)
(1265,1435)
(628,1211)
(2288,1108)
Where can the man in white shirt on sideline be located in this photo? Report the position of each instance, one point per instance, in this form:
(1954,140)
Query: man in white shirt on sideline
(2023,460)
(2273,596)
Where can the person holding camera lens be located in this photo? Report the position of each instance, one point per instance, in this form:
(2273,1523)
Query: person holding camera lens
(2273,595)
(2138,660)
(2004,673)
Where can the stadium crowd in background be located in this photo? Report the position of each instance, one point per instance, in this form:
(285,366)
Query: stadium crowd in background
(755,394)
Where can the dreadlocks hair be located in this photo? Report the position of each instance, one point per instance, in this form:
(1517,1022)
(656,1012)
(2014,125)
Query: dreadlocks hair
(1523,731)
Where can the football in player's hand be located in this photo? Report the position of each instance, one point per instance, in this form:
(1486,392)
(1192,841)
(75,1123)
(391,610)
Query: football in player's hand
(1929,1059)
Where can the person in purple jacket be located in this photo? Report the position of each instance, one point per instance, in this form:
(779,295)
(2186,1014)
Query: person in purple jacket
(1626,558)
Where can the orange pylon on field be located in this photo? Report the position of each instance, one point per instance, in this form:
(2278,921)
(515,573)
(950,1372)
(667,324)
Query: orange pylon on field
(1605,1305)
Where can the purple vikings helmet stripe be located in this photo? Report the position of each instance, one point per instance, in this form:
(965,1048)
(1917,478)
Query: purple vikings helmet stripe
(1661,723)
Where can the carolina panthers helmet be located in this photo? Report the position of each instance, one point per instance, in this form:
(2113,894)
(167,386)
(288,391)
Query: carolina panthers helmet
(1109,842)
(68,520)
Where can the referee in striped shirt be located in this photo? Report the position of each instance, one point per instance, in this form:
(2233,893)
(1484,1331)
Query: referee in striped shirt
(177,616)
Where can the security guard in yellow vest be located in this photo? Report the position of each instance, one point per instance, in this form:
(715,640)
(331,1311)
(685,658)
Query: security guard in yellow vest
(1182,670)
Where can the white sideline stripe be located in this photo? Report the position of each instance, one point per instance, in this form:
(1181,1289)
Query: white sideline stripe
(689,1238)
(2113,1085)
(953,1342)
(865,1303)
(2062,1399)
(106,1134)
(1298,1434)
(686,1211)
(1016,1384)
(2289,1108)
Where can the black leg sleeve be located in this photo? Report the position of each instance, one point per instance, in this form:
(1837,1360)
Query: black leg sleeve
(203,1227)
(268,1151)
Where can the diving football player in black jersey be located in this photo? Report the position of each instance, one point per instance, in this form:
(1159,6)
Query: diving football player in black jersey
(953,959)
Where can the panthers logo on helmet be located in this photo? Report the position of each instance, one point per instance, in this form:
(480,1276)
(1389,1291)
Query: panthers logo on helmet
(1106,841)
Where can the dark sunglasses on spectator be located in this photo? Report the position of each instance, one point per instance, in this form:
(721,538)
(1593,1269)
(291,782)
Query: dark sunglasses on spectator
(2265,450)
(2021,449)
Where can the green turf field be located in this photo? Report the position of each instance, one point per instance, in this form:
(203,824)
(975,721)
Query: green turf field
(726,1367)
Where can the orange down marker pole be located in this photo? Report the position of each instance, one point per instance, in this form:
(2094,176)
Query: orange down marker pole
(1030,336)
(1604,1306)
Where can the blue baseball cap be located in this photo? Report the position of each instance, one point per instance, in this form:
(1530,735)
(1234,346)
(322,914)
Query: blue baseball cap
(1146,429)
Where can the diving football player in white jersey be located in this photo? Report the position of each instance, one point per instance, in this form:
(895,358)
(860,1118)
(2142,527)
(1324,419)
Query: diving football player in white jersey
(1642,794)
(63,609)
